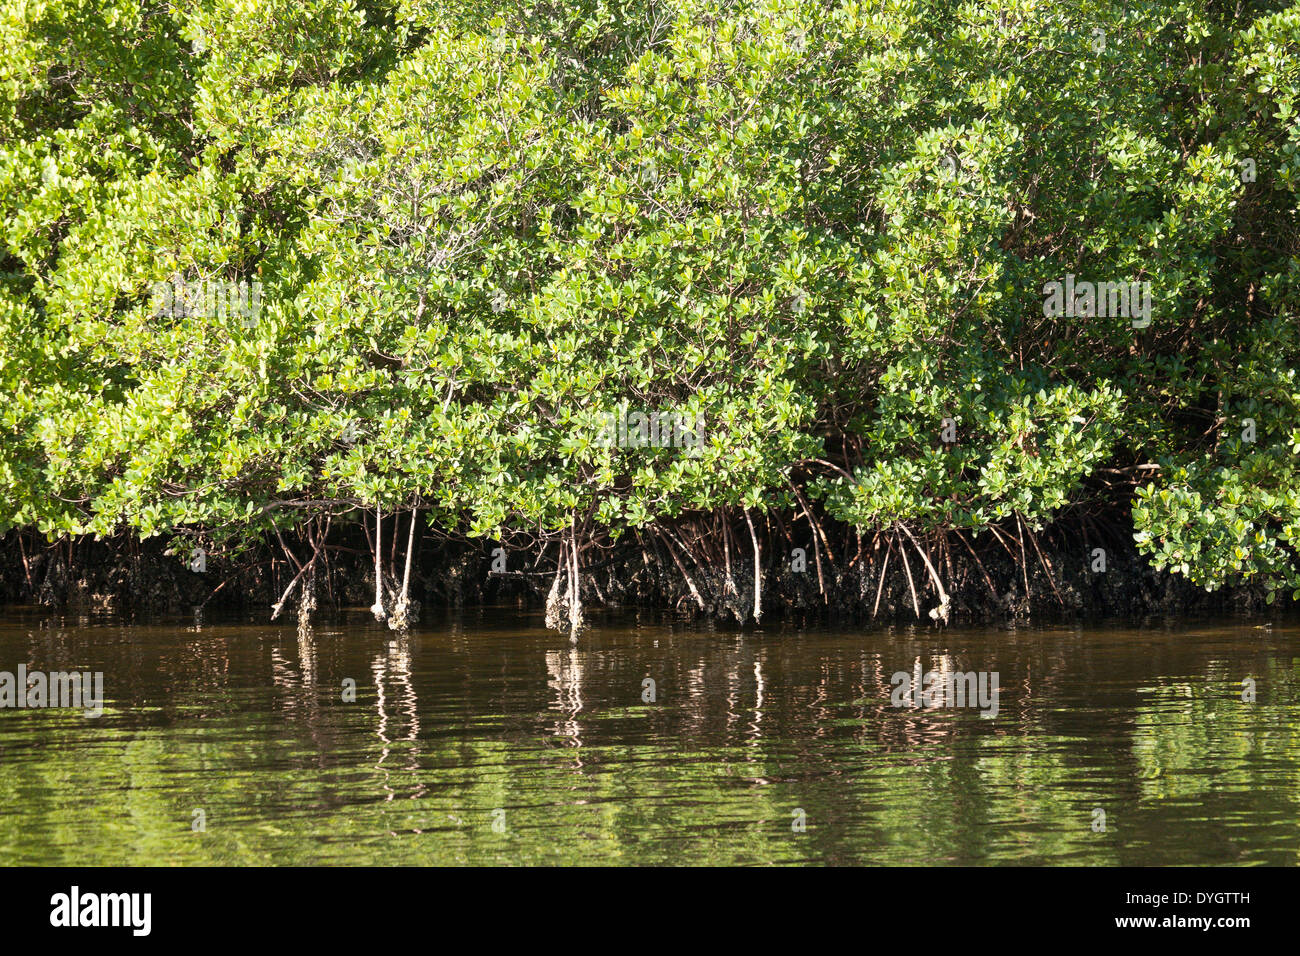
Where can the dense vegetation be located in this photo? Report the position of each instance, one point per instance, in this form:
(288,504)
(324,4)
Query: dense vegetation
(824,230)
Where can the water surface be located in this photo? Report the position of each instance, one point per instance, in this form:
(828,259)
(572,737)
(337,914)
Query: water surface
(486,739)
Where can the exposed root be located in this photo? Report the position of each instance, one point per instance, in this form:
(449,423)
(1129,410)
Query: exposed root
(916,605)
(307,602)
(564,608)
(938,614)
(695,592)
(405,611)
(758,570)
(555,609)
(404,614)
(575,585)
(378,609)
(889,550)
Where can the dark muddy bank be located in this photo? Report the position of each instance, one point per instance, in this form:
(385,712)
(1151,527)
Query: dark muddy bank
(1063,575)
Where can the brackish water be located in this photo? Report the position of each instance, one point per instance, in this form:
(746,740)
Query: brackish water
(490,719)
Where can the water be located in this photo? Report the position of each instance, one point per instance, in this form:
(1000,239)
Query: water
(487,740)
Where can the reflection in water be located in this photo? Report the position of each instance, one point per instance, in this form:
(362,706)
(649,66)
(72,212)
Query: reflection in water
(477,714)
(397,711)
(564,672)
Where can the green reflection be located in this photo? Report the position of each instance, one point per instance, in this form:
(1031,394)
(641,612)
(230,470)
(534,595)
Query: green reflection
(454,729)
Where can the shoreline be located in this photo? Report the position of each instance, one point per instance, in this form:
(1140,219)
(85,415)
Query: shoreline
(984,586)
